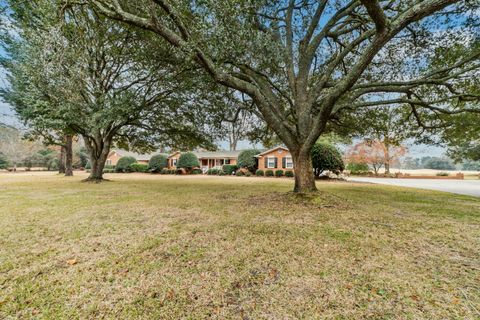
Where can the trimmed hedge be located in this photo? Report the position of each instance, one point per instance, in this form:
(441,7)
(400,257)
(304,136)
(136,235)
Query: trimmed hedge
(358,168)
(138,167)
(213,171)
(289,173)
(123,165)
(268,173)
(278,173)
(259,173)
(197,171)
(157,163)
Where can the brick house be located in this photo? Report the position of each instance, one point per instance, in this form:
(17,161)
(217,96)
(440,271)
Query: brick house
(207,159)
(116,154)
(275,159)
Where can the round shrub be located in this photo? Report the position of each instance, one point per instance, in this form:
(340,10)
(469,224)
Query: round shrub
(248,174)
(221,173)
(197,171)
(239,173)
(164,171)
(259,173)
(289,173)
(278,173)
(157,163)
(246,159)
(229,168)
(188,161)
(358,168)
(213,171)
(268,173)
(325,157)
(123,165)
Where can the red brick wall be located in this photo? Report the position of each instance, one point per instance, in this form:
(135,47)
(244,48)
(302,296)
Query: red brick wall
(279,154)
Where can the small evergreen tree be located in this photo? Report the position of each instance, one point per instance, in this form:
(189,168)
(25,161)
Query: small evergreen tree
(188,161)
(325,157)
(157,163)
(246,159)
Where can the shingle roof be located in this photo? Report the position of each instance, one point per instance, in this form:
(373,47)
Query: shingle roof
(270,150)
(221,154)
(138,156)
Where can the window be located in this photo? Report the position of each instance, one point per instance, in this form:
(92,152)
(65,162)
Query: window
(174,162)
(271,162)
(108,162)
(288,162)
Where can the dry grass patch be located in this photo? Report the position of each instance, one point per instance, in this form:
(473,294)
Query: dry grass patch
(163,247)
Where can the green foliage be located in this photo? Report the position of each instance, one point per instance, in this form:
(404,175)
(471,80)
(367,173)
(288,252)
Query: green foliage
(358,168)
(268,173)
(3,161)
(197,171)
(471,165)
(289,173)
(188,161)
(88,166)
(239,173)
(138,167)
(108,171)
(157,163)
(229,168)
(246,159)
(165,171)
(278,173)
(439,164)
(259,173)
(248,174)
(221,173)
(213,171)
(325,157)
(123,164)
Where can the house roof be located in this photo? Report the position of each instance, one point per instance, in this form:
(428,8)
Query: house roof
(138,156)
(221,154)
(271,150)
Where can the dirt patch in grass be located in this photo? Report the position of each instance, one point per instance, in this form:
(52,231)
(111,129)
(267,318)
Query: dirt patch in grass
(166,247)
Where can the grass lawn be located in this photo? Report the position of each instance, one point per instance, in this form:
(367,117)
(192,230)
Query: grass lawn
(166,247)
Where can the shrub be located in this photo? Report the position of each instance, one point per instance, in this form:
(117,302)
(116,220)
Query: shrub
(197,171)
(109,167)
(108,170)
(246,159)
(248,174)
(268,173)
(138,167)
(165,171)
(289,173)
(213,171)
(157,163)
(3,162)
(88,166)
(239,173)
(439,164)
(443,174)
(221,173)
(278,173)
(325,157)
(123,165)
(188,161)
(358,168)
(229,168)
(259,173)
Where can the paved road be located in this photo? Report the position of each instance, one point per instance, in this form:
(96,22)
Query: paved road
(468,187)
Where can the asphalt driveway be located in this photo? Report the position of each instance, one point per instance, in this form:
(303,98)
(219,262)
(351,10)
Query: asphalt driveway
(467,187)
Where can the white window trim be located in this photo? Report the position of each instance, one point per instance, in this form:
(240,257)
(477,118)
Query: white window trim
(273,162)
(288,163)
(174,162)
(108,162)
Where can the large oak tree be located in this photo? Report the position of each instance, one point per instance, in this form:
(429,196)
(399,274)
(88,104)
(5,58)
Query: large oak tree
(303,62)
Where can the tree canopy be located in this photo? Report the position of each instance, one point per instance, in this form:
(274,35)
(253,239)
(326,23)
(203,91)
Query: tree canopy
(306,64)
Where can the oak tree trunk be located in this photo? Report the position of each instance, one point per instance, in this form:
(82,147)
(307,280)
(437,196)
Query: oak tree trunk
(61,162)
(68,156)
(98,150)
(304,175)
